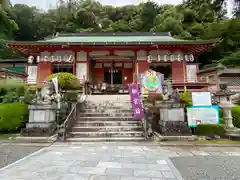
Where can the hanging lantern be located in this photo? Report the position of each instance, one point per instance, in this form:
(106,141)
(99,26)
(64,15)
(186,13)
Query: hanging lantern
(149,58)
(165,58)
(178,57)
(30,59)
(38,59)
(158,58)
(45,59)
(186,58)
(191,58)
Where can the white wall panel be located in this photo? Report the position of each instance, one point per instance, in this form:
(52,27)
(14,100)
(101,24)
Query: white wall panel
(81,70)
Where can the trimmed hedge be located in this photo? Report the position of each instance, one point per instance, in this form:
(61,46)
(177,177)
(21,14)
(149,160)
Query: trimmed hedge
(67,81)
(208,129)
(13,116)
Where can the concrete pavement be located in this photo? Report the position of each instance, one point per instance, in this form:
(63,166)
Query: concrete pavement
(94,161)
(119,161)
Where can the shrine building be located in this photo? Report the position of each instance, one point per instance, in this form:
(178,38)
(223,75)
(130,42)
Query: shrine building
(115,58)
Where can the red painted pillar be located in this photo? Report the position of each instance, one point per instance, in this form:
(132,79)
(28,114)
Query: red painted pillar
(178,70)
(44,70)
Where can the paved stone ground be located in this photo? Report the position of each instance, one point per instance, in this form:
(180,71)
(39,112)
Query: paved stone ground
(206,163)
(10,152)
(121,161)
(201,151)
(95,161)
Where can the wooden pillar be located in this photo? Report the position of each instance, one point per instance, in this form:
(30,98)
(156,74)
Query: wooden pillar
(141,64)
(43,71)
(178,71)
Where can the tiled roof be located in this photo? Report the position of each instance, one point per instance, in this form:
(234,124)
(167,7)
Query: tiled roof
(134,38)
(231,71)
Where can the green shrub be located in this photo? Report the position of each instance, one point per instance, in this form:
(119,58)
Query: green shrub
(13,116)
(207,129)
(236,116)
(186,98)
(11,92)
(67,81)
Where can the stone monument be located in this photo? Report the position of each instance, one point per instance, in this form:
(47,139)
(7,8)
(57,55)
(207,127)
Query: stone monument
(42,114)
(224,100)
(172,117)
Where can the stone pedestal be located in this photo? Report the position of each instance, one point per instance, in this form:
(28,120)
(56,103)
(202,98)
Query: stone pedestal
(227,115)
(172,122)
(42,120)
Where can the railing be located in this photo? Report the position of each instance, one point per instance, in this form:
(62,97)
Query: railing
(145,124)
(67,125)
(187,81)
(64,128)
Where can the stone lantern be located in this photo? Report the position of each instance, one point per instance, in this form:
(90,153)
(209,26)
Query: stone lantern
(223,97)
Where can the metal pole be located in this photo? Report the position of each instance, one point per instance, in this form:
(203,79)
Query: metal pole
(111,76)
(184,76)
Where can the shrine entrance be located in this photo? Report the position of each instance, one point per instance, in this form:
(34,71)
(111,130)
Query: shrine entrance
(163,68)
(113,77)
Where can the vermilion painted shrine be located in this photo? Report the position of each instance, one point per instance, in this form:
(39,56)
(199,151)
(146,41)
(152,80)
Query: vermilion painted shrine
(115,58)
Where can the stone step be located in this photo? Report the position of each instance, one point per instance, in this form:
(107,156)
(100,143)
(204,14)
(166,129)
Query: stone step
(106,110)
(106,128)
(99,139)
(102,97)
(100,118)
(105,114)
(109,102)
(108,134)
(107,123)
(125,107)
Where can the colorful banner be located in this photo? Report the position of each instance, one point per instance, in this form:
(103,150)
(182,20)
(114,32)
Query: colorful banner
(134,91)
(151,82)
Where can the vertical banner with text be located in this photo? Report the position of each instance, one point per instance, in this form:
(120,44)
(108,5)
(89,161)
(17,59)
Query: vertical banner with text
(136,101)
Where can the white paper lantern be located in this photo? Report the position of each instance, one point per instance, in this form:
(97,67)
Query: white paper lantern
(165,58)
(30,59)
(149,58)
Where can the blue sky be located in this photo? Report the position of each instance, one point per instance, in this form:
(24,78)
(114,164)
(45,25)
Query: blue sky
(45,4)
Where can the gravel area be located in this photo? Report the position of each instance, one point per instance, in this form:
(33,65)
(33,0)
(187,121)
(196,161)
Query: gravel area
(208,167)
(10,153)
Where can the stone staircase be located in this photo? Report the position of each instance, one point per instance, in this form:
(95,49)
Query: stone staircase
(107,118)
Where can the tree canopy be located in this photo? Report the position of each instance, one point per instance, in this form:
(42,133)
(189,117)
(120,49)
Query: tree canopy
(191,20)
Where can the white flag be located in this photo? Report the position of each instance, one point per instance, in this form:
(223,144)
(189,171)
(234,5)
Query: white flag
(55,83)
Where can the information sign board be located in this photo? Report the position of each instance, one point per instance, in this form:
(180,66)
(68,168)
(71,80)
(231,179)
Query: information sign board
(202,115)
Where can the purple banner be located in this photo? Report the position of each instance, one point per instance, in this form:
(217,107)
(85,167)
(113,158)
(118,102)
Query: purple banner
(136,101)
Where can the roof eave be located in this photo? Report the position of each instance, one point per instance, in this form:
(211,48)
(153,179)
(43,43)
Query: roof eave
(113,43)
